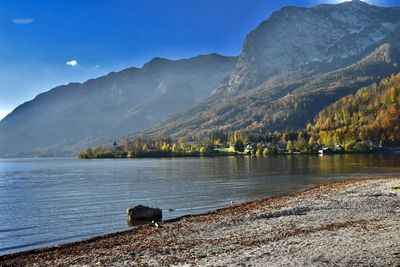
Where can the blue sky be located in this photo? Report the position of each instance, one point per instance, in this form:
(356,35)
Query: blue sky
(45,43)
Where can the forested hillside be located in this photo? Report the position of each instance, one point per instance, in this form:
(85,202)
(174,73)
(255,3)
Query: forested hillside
(371,116)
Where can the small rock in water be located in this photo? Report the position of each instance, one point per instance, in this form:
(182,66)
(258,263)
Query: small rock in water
(144,213)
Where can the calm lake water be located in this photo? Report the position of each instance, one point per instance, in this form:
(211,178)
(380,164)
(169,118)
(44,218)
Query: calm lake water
(51,201)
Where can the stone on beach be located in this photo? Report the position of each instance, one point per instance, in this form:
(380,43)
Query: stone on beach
(141,212)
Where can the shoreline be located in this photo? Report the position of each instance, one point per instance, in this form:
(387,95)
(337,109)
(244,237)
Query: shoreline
(243,154)
(236,154)
(135,240)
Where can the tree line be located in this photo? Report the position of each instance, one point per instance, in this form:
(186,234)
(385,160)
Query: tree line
(369,118)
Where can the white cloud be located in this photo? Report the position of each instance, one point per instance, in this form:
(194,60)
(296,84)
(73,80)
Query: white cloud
(22,20)
(3,113)
(72,63)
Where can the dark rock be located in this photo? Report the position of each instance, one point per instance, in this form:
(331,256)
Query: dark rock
(144,213)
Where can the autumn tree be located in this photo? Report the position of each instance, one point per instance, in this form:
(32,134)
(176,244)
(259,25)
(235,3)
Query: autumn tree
(290,147)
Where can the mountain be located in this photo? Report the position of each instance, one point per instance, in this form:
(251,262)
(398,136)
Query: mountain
(71,117)
(293,65)
(370,115)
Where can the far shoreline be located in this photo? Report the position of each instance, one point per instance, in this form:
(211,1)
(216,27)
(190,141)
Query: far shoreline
(241,155)
(215,155)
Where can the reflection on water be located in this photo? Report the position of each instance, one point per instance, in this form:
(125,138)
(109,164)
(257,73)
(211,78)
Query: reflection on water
(50,201)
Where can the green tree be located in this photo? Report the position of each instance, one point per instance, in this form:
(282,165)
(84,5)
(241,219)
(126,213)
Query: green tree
(290,147)
(301,145)
(285,137)
(145,148)
(237,136)
(239,146)
(88,153)
(174,148)
(350,146)
(329,141)
(203,150)
(266,151)
(382,140)
(311,142)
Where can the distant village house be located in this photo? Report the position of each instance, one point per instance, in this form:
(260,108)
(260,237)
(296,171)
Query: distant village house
(117,148)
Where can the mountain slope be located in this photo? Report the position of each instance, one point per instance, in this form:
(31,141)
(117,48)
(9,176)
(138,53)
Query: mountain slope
(70,117)
(293,65)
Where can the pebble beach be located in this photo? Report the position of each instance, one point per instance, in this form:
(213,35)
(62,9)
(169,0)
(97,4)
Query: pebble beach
(348,223)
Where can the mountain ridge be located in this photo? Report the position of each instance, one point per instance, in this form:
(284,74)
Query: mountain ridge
(69,117)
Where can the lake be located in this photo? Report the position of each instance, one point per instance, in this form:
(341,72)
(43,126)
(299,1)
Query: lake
(49,201)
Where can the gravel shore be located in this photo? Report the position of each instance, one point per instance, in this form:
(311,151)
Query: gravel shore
(351,223)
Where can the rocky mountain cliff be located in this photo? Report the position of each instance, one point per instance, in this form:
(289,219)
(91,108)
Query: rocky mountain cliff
(293,37)
(293,65)
(71,117)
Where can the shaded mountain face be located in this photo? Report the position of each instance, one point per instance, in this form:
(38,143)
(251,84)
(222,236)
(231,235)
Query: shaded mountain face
(71,117)
(293,65)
